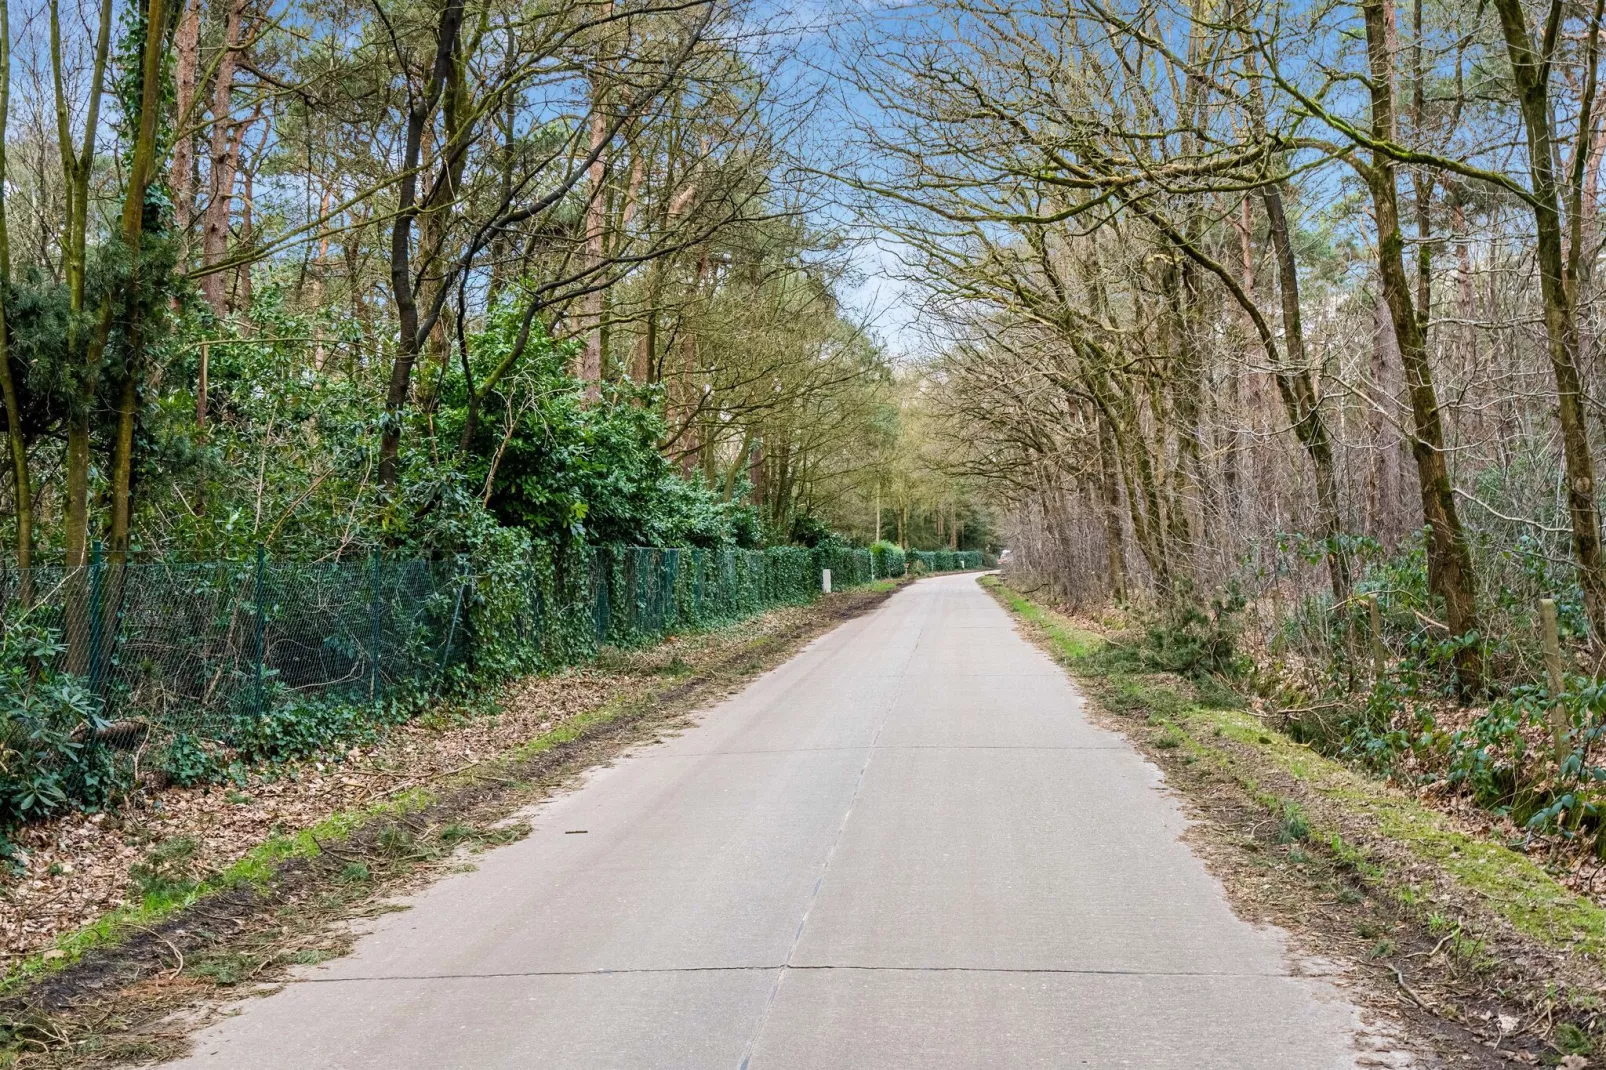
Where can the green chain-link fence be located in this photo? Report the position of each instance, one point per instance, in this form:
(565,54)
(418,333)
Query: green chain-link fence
(196,647)
(234,652)
(193,647)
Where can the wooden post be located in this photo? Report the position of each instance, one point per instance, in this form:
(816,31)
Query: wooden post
(1379,652)
(1550,636)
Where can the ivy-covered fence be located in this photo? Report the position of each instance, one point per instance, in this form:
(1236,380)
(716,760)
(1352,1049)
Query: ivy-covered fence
(194,647)
(189,663)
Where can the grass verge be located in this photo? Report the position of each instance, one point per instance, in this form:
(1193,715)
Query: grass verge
(108,994)
(1471,933)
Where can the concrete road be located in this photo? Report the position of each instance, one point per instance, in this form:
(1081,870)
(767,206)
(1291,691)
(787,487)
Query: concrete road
(904,848)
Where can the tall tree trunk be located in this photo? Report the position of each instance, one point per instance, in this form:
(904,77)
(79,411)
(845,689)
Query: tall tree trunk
(506,160)
(76,172)
(141,171)
(401,234)
(10,388)
(223,163)
(1233,454)
(596,213)
(1466,305)
(1449,556)
(1110,493)
(1137,476)
(1299,395)
(1384,493)
(1186,388)
(186,62)
(242,274)
(320,267)
(1531,73)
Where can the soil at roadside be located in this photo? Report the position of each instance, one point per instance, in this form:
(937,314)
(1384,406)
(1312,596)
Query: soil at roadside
(137,1000)
(1432,975)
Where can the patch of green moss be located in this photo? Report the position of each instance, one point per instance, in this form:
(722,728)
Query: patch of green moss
(256,867)
(1509,884)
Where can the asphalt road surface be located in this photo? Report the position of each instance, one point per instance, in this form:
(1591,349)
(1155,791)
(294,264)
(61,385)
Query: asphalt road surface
(906,847)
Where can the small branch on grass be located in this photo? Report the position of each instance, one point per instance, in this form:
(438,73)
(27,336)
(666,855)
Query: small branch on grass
(344,856)
(1436,949)
(1399,979)
(177,954)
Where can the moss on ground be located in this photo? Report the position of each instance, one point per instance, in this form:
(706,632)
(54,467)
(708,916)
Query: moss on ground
(1507,884)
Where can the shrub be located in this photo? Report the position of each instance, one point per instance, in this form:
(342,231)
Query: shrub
(889,559)
(47,763)
(1193,643)
(301,727)
(188,761)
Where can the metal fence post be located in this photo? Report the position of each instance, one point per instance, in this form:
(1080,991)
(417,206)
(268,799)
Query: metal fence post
(1374,620)
(261,555)
(451,631)
(373,638)
(96,598)
(1557,676)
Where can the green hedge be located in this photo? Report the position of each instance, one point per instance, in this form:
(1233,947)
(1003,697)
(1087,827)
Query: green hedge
(849,567)
(889,560)
(947,560)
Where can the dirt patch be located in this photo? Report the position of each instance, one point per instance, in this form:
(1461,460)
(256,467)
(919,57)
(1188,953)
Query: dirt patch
(1424,958)
(138,998)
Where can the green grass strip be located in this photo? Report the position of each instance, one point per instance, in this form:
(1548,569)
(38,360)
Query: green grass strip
(260,864)
(1508,884)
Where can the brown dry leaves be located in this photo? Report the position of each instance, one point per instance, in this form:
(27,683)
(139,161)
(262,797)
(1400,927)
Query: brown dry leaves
(77,866)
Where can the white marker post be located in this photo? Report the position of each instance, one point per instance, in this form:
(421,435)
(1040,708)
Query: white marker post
(825,581)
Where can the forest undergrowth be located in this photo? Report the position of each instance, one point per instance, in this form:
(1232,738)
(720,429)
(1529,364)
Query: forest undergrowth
(1469,948)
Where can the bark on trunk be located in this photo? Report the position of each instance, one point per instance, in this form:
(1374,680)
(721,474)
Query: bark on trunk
(1298,389)
(1110,492)
(76,173)
(224,160)
(1449,557)
(1530,72)
(181,175)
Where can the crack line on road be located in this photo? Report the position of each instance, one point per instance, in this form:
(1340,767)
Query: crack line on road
(853,801)
(634,971)
(888,747)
